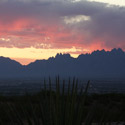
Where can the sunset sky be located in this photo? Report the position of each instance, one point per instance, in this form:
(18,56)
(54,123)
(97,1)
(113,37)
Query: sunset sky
(39,29)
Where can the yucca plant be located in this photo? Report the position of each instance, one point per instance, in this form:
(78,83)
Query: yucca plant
(61,106)
(64,106)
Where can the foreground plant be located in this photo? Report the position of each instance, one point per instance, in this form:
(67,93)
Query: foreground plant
(66,104)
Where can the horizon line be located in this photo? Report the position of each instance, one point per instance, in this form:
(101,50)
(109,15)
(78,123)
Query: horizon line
(33,60)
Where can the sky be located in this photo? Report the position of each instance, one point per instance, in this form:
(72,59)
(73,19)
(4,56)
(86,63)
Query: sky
(39,29)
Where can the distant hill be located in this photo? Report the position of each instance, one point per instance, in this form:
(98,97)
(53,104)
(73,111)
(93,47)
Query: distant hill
(98,64)
(9,68)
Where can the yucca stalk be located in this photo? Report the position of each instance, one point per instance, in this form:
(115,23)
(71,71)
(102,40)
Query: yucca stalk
(46,103)
(67,104)
(15,114)
(63,106)
(57,101)
(81,104)
(73,102)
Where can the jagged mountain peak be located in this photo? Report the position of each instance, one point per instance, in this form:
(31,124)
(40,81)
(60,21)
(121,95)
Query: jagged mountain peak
(99,63)
(60,55)
(6,60)
(98,52)
(117,51)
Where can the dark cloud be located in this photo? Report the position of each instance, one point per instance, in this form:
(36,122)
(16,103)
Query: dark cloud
(35,20)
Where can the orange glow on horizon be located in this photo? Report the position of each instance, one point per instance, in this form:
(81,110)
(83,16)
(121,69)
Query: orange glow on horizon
(23,61)
(26,41)
(28,55)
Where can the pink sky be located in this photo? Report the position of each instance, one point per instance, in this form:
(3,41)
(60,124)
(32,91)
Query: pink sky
(40,29)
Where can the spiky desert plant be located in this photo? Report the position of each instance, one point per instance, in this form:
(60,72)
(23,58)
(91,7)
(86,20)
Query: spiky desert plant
(63,106)
(60,106)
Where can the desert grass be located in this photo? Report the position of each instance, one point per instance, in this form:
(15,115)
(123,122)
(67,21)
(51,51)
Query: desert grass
(62,106)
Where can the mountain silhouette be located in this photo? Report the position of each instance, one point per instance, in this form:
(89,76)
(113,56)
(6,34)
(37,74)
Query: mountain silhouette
(98,64)
(9,68)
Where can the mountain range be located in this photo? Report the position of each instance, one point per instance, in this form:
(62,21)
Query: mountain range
(98,64)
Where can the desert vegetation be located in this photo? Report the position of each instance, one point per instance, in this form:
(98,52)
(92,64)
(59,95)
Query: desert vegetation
(62,106)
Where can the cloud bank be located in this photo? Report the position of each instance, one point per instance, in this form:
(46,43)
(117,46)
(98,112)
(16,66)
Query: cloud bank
(54,24)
